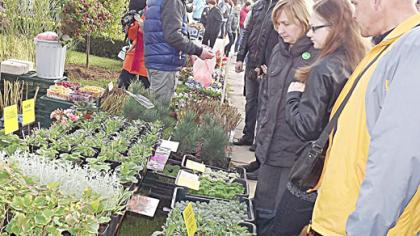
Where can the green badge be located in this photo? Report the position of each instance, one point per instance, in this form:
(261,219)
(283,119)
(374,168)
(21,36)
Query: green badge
(306,56)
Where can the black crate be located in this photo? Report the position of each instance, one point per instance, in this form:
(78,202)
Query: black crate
(33,81)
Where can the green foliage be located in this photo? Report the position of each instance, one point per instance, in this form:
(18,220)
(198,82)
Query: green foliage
(134,111)
(44,210)
(214,140)
(21,22)
(113,29)
(216,218)
(218,189)
(186,133)
(83,17)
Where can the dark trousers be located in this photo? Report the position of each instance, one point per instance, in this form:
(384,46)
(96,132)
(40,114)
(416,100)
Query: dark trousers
(232,37)
(272,181)
(126,78)
(251,105)
(292,215)
(209,38)
(238,40)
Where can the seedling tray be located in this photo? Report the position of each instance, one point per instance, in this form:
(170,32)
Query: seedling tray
(181,194)
(240,170)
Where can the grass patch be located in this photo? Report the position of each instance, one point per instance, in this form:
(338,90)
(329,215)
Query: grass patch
(79,58)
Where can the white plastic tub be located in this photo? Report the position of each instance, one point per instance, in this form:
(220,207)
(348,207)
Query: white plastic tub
(50,59)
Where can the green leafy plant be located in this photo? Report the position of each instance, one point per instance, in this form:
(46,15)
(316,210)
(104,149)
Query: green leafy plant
(187,134)
(218,189)
(218,218)
(214,141)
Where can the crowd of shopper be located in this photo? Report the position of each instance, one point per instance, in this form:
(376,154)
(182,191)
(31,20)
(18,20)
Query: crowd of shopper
(335,81)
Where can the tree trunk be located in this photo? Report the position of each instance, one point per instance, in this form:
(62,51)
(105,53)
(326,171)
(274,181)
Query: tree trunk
(87,50)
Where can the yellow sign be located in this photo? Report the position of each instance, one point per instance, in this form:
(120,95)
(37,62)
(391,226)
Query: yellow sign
(195,166)
(10,119)
(188,180)
(189,219)
(28,111)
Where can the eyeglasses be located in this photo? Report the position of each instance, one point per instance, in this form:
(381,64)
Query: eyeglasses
(315,28)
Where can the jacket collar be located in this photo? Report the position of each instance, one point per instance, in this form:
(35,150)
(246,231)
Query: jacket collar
(401,29)
(302,45)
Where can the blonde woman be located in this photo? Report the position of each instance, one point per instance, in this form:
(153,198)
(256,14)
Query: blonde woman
(276,142)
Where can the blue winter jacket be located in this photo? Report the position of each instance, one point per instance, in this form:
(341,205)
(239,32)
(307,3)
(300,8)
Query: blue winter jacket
(165,35)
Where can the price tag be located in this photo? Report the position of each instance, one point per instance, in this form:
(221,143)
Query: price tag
(195,166)
(110,86)
(10,119)
(188,180)
(189,219)
(28,111)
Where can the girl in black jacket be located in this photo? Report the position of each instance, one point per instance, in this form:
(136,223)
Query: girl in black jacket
(214,20)
(311,98)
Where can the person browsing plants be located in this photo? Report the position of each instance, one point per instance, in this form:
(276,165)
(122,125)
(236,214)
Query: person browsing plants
(276,142)
(311,97)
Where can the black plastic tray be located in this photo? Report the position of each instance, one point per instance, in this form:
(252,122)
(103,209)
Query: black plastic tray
(181,194)
(252,228)
(244,183)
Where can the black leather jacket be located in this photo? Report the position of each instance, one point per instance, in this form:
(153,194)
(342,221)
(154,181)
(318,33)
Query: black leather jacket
(253,31)
(276,142)
(308,112)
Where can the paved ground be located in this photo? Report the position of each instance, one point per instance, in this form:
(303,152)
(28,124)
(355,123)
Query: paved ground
(235,85)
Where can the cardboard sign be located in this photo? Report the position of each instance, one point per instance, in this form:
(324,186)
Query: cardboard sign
(189,219)
(28,112)
(11,123)
(195,166)
(189,180)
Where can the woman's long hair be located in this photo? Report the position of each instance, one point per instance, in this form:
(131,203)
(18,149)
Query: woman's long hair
(344,35)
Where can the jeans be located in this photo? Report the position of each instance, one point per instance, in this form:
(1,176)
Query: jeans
(232,37)
(239,40)
(292,215)
(251,105)
(272,181)
(162,84)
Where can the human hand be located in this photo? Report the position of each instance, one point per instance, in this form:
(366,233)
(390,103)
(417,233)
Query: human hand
(239,67)
(264,69)
(206,54)
(296,87)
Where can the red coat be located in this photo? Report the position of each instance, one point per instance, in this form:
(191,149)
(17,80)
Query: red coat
(134,59)
(242,16)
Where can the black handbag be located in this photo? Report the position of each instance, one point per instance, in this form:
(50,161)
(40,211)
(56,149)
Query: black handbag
(308,167)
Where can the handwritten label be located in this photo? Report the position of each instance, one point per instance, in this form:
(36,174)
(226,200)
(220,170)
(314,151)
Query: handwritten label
(188,180)
(10,119)
(189,219)
(195,166)
(28,112)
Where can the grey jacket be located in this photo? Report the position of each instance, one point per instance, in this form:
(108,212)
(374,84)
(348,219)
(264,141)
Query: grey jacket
(393,167)
(233,22)
(276,142)
(172,15)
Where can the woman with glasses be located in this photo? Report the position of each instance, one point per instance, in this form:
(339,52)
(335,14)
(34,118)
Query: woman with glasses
(311,97)
(276,142)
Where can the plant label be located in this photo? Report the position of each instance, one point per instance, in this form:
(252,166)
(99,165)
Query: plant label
(189,219)
(10,115)
(143,205)
(158,161)
(110,86)
(28,111)
(142,100)
(192,165)
(189,180)
(173,146)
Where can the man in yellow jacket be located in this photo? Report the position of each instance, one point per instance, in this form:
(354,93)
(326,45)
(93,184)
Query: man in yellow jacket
(371,177)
